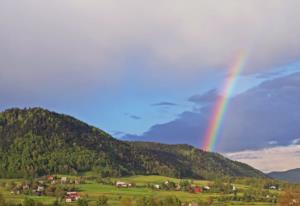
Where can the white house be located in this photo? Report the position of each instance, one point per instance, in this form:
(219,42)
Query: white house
(123,184)
(206,188)
(156,186)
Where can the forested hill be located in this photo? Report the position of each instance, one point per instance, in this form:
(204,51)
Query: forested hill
(35,142)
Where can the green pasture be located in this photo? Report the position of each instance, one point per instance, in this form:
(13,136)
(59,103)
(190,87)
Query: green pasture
(92,190)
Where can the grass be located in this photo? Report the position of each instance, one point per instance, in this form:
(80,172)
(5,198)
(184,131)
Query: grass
(93,190)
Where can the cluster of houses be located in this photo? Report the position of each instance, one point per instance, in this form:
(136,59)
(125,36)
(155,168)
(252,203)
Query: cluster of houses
(38,188)
(167,185)
(42,186)
(185,187)
(63,180)
(70,196)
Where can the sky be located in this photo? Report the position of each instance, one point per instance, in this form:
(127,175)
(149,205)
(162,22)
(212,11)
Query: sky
(152,71)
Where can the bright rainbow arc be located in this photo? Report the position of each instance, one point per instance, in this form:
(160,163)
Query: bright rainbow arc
(221,104)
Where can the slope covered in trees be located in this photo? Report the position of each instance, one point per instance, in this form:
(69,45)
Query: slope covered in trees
(35,142)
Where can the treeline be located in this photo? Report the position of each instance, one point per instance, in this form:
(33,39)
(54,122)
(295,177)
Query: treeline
(104,201)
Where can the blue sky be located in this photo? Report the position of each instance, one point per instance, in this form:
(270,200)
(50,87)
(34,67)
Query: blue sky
(151,71)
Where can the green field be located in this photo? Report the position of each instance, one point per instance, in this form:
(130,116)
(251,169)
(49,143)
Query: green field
(93,190)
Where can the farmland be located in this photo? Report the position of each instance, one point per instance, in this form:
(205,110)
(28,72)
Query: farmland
(92,189)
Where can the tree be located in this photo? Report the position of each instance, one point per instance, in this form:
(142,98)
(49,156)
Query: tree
(56,203)
(144,201)
(102,201)
(83,202)
(28,202)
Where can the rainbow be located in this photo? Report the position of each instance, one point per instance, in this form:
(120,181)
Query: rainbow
(220,107)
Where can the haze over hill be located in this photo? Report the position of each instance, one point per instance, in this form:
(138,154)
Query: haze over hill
(36,142)
(292,176)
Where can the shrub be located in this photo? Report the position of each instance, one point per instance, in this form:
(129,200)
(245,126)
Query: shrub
(102,201)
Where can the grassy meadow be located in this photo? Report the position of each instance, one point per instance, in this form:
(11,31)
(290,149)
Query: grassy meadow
(91,189)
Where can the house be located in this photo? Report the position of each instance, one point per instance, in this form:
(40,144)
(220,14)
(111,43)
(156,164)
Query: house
(233,188)
(273,187)
(15,192)
(196,189)
(72,196)
(25,187)
(156,186)
(63,180)
(68,199)
(178,187)
(40,189)
(50,177)
(123,184)
(206,188)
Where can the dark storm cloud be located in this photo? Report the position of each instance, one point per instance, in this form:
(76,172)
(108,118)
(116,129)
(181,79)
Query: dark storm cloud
(181,130)
(268,112)
(208,97)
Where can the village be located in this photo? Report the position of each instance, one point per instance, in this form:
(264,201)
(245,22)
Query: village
(67,189)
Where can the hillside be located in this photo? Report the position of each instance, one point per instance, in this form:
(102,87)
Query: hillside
(35,142)
(292,176)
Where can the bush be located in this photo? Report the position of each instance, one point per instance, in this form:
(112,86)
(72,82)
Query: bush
(102,201)
(28,202)
(171,201)
(83,202)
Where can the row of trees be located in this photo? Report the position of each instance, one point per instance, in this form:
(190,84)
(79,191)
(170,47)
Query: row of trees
(104,201)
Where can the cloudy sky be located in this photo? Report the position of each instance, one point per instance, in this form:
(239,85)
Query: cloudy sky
(153,70)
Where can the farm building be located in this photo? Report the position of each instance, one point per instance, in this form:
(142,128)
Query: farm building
(72,196)
(50,177)
(156,186)
(63,180)
(123,184)
(206,188)
(196,189)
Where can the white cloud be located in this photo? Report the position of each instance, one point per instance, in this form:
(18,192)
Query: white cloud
(85,41)
(270,159)
(296,141)
(273,142)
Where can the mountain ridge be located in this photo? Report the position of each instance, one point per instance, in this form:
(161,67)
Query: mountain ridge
(292,175)
(35,142)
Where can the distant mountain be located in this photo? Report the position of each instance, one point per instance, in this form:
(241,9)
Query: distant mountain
(35,142)
(292,176)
